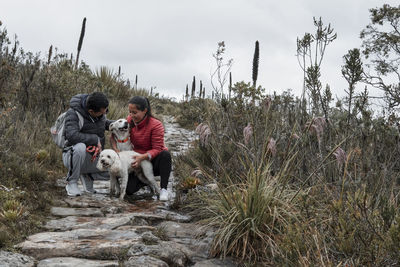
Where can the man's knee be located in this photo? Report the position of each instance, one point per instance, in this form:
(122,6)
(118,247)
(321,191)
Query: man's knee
(80,149)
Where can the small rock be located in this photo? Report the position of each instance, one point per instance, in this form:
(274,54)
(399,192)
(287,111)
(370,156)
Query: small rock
(212,187)
(9,259)
(145,261)
(171,252)
(149,239)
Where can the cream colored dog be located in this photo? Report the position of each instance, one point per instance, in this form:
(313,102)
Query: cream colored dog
(120,130)
(120,165)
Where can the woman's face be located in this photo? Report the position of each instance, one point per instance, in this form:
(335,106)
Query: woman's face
(136,114)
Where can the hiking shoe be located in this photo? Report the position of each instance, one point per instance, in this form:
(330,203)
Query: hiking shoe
(72,189)
(163,194)
(87,183)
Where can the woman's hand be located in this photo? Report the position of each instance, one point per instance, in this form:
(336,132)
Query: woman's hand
(138,159)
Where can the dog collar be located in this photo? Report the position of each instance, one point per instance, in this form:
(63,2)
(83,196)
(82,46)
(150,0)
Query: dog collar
(123,141)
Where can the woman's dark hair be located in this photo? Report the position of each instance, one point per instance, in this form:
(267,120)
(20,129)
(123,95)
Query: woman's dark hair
(96,101)
(141,103)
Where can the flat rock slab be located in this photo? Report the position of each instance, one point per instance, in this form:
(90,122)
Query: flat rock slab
(73,262)
(63,212)
(145,261)
(140,229)
(75,222)
(106,203)
(92,201)
(154,217)
(9,259)
(100,244)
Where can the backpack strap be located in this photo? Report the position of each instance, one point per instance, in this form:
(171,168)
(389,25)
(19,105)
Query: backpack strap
(80,117)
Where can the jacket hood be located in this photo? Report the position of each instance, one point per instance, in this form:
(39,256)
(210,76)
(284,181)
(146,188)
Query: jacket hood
(78,103)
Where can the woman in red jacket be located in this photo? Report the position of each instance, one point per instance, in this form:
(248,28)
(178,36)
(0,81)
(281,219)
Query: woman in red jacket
(147,138)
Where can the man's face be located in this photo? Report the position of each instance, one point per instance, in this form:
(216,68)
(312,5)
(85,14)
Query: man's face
(97,114)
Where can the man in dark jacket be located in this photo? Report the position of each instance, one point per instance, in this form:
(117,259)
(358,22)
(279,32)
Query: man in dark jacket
(82,140)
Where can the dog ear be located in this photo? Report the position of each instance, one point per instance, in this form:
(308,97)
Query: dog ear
(99,165)
(111,126)
(116,166)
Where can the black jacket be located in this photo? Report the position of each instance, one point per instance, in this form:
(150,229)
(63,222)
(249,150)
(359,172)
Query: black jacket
(93,128)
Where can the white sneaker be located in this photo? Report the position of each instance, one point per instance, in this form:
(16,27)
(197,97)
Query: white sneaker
(87,183)
(163,194)
(72,189)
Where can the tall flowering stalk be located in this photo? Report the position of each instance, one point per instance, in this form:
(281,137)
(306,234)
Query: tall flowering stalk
(340,155)
(204,132)
(247,134)
(80,42)
(316,126)
(271,146)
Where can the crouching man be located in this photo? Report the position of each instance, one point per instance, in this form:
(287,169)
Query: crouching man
(85,138)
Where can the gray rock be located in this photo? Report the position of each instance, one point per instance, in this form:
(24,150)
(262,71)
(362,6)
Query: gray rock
(63,212)
(9,259)
(213,187)
(182,230)
(172,253)
(215,263)
(80,243)
(73,262)
(173,216)
(195,237)
(139,229)
(91,201)
(144,261)
(158,216)
(74,222)
(148,238)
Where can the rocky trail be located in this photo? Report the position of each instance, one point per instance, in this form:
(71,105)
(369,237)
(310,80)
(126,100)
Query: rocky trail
(96,230)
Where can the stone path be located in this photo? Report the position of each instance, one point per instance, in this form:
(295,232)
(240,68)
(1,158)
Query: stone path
(96,230)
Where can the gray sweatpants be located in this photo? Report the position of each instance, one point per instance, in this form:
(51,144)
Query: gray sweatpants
(81,164)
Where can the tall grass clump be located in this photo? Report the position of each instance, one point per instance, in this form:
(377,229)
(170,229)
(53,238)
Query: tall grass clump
(251,217)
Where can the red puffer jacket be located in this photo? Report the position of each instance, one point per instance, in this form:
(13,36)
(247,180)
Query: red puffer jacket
(148,136)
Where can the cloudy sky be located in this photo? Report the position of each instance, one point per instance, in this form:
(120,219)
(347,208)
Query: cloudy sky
(167,42)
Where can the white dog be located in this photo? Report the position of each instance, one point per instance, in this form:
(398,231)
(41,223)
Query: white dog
(120,165)
(120,130)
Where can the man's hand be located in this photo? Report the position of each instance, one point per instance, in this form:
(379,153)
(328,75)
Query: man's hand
(94,150)
(138,159)
(99,147)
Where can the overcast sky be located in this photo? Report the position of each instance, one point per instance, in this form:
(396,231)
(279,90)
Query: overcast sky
(167,42)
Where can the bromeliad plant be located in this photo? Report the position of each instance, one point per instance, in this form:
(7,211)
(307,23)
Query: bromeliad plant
(251,217)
